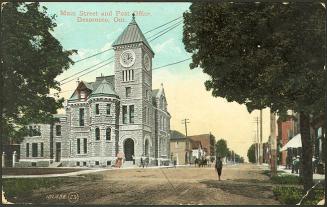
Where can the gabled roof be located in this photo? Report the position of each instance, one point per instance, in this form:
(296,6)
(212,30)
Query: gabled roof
(132,34)
(104,89)
(93,86)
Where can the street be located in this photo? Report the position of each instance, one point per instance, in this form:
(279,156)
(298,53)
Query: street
(240,184)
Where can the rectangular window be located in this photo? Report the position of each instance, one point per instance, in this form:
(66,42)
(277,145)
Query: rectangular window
(108,109)
(85,145)
(30,131)
(131,114)
(58,130)
(84,163)
(149,115)
(146,116)
(132,74)
(123,73)
(108,163)
(96,162)
(34,149)
(129,74)
(42,149)
(38,130)
(97,134)
(27,149)
(124,114)
(97,109)
(108,133)
(126,76)
(77,163)
(128,92)
(81,116)
(78,146)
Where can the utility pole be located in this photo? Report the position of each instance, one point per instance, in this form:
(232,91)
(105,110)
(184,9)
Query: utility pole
(255,147)
(256,120)
(234,157)
(260,145)
(185,122)
(273,143)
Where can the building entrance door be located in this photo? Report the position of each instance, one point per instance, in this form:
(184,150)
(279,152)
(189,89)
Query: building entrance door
(129,149)
(58,151)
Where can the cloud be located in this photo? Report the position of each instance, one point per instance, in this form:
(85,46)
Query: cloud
(106,46)
(167,46)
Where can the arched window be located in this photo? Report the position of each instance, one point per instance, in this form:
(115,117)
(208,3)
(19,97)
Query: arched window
(146,146)
(97,134)
(108,133)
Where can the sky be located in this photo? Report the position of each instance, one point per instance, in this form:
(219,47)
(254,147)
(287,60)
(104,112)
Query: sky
(184,88)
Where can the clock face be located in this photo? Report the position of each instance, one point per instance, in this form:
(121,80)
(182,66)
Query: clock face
(147,62)
(127,58)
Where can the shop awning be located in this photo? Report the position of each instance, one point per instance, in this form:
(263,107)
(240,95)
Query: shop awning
(295,142)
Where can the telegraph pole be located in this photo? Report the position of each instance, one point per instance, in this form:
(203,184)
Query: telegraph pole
(255,147)
(256,120)
(261,147)
(185,122)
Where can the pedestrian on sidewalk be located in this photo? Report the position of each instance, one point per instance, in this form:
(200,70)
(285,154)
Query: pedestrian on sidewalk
(219,167)
(142,162)
(297,164)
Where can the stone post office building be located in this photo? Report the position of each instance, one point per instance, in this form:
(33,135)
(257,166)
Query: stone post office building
(112,115)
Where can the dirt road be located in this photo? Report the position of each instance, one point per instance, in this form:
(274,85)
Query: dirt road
(241,184)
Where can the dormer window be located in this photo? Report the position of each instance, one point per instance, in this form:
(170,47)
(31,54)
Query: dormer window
(82,94)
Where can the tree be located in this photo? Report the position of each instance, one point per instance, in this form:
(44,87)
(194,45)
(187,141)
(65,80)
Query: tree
(221,148)
(262,55)
(31,59)
(251,153)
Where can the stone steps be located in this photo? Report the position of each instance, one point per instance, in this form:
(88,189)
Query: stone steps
(55,164)
(128,164)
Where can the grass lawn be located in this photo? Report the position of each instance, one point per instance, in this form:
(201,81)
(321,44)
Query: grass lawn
(290,189)
(37,171)
(21,189)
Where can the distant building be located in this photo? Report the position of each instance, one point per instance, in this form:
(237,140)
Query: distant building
(318,132)
(181,150)
(207,143)
(197,150)
(287,129)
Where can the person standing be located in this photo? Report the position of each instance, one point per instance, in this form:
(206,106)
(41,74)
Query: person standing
(142,162)
(219,167)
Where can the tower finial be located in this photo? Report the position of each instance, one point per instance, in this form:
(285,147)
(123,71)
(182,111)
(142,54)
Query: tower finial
(133,16)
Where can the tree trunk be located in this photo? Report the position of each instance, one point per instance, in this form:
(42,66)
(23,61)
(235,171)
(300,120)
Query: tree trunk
(307,176)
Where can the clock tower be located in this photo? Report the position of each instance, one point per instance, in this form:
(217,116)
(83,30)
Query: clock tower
(133,84)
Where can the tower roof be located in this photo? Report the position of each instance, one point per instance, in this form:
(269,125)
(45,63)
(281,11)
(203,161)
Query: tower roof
(132,34)
(104,89)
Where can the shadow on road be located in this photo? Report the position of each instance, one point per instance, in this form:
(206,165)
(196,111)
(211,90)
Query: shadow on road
(244,187)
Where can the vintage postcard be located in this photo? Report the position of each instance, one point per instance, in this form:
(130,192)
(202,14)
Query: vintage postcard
(163,103)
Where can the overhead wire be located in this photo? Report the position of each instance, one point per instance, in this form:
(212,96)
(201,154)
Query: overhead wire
(157,35)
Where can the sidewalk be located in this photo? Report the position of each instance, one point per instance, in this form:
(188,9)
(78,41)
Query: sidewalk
(265,166)
(91,170)
(288,171)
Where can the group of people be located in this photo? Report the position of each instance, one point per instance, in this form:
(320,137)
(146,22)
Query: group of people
(201,162)
(144,162)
